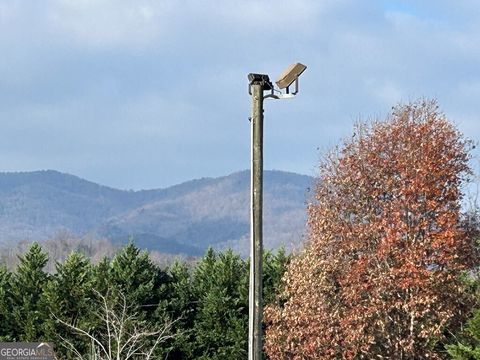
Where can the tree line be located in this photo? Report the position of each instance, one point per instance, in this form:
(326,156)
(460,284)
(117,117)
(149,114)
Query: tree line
(179,312)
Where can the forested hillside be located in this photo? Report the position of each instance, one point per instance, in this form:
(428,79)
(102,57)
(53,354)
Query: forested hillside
(186,218)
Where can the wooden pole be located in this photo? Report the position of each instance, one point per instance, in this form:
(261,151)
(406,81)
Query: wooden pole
(255,345)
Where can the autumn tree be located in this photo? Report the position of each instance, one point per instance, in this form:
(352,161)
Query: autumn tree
(379,277)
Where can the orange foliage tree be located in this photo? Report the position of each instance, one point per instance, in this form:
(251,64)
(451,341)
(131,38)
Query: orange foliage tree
(379,277)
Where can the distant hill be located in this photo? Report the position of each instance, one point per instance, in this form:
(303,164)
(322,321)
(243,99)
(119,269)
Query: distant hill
(185,218)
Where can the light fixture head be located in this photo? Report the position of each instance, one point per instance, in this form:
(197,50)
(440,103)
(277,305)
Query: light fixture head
(289,75)
(261,79)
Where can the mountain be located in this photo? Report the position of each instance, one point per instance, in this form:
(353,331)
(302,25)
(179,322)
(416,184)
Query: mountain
(185,218)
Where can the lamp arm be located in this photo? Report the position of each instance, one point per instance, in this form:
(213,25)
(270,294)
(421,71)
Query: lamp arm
(296,87)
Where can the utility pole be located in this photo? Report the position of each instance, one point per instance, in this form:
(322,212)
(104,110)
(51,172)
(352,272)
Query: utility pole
(258,83)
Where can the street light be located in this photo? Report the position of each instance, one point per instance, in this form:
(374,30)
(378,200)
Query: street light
(258,84)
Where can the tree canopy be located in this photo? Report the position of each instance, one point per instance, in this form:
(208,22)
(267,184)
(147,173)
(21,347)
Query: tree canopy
(129,306)
(380,276)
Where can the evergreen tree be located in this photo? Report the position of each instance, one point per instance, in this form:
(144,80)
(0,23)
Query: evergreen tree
(222,312)
(180,306)
(68,297)
(101,275)
(468,348)
(6,324)
(133,277)
(465,345)
(138,278)
(274,266)
(208,304)
(27,285)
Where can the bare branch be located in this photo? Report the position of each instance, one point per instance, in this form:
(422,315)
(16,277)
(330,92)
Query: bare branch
(126,334)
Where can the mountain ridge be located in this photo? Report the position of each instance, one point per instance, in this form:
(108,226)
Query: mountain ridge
(183,218)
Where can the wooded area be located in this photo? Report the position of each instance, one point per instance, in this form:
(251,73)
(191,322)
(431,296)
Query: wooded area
(181,312)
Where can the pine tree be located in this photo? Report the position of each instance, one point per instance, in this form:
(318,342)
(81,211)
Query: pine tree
(465,344)
(6,324)
(133,277)
(180,305)
(101,275)
(468,346)
(274,266)
(68,297)
(138,278)
(28,283)
(222,312)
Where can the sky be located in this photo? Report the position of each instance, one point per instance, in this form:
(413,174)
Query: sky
(146,94)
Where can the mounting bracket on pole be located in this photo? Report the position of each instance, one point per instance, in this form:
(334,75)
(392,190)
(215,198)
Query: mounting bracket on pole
(285,81)
(259,79)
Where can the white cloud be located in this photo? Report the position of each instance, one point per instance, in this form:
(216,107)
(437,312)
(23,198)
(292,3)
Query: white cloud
(107,23)
(147,23)
(132,78)
(6,11)
(270,15)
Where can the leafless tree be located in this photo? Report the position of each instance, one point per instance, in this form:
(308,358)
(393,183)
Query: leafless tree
(126,335)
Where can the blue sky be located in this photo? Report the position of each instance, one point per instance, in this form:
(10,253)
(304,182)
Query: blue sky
(145,94)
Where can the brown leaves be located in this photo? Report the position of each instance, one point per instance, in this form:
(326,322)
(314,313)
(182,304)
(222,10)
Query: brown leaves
(378,277)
